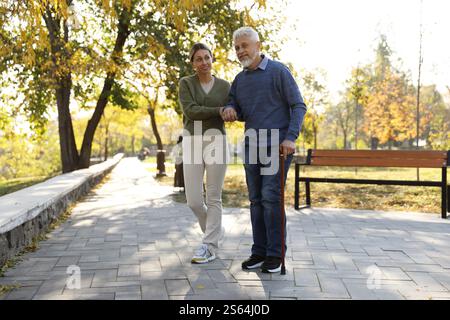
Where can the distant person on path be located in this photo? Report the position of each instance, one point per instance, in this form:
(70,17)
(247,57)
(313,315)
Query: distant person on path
(266,97)
(177,157)
(202,97)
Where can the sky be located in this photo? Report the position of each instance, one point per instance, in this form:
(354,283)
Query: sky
(338,35)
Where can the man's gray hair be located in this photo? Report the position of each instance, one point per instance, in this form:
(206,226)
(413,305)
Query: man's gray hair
(246,32)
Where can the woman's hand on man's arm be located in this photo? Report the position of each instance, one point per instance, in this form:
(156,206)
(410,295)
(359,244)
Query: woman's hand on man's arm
(228,114)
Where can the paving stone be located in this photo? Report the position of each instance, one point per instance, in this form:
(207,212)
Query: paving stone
(332,286)
(301,256)
(419,258)
(128,271)
(89,258)
(257,294)
(53,286)
(170,260)
(102,276)
(24,293)
(67,261)
(251,275)
(102,265)
(374,251)
(306,278)
(361,292)
(298,292)
(345,274)
(132,241)
(134,295)
(150,265)
(221,276)
(323,260)
(426,282)
(116,284)
(394,274)
(178,287)
(77,296)
(147,247)
(113,238)
(154,290)
(128,251)
(343,262)
(443,261)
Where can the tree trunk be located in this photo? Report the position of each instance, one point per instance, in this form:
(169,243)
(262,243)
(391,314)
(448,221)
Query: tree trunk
(160,156)
(345,139)
(106,150)
(356,124)
(106,147)
(86,148)
(304,141)
(373,143)
(336,134)
(58,40)
(122,35)
(315,136)
(68,148)
(132,145)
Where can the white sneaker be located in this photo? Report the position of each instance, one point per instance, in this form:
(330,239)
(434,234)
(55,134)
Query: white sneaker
(203,255)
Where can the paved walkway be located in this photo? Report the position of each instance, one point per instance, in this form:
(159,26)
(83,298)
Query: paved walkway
(131,241)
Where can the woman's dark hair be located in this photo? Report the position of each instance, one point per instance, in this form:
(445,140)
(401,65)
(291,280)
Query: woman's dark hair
(196,47)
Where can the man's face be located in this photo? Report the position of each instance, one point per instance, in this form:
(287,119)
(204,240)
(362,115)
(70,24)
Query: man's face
(247,50)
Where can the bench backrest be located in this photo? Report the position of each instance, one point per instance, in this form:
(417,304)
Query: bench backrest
(378,158)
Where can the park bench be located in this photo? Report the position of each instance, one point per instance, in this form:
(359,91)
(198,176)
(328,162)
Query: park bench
(374,158)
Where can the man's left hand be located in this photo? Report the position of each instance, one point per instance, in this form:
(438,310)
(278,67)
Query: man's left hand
(287,147)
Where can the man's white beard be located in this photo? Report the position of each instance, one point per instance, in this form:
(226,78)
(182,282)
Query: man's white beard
(247,62)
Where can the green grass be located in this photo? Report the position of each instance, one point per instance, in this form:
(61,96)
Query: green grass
(4,289)
(150,164)
(332,195)
(386,198)
(152,160)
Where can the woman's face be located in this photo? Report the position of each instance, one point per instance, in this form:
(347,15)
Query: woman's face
(202,61)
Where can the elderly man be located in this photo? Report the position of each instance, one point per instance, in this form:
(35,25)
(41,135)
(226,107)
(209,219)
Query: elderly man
(267,98)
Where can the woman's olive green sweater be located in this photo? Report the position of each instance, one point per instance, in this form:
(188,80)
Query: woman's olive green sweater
(199,106)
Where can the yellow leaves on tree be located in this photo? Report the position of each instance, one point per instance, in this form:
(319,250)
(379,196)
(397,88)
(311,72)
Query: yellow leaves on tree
(177,11)
(389,113)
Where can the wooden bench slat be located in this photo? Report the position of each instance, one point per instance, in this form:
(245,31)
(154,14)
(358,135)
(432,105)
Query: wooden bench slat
(374,162)
(382,154)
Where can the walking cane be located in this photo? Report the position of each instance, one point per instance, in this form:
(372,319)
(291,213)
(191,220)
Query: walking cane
(283,213)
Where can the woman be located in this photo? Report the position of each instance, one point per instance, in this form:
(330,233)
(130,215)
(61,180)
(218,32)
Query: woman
(202,97)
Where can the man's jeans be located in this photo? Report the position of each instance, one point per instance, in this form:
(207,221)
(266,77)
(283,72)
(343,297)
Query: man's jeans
(264,194)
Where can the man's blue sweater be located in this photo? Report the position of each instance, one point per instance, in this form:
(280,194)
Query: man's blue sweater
(268,98)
